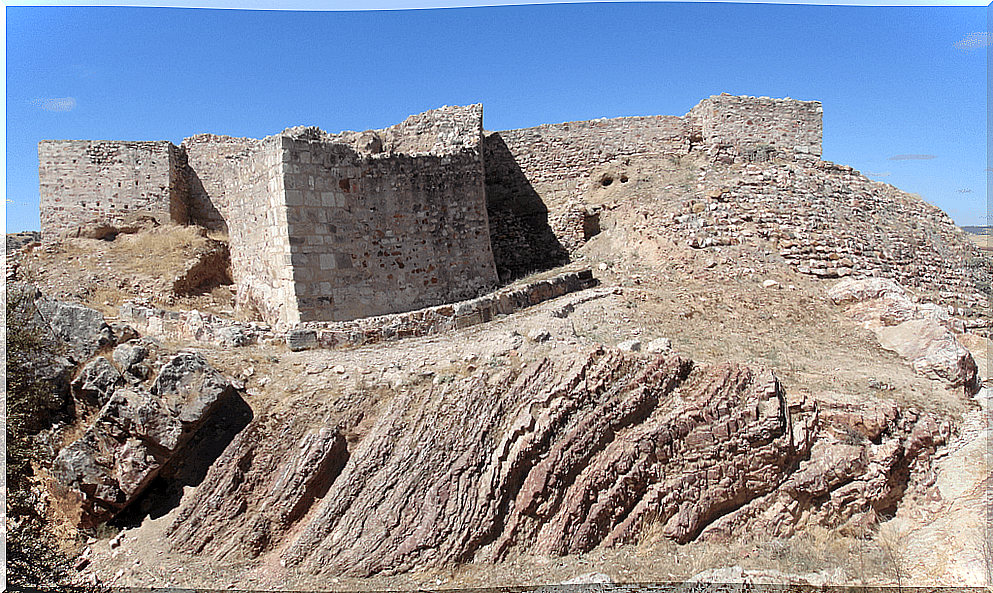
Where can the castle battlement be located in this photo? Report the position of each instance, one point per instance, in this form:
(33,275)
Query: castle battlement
(335,227)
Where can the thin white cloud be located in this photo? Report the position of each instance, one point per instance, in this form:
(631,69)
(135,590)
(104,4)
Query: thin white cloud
(61,104)
(974,41)
(883,174)
(913,157)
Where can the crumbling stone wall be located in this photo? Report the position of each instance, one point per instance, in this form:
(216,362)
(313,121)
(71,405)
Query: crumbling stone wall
(558,160)
(555,165)
(536,176)
(336,227)
(753,129)
(86,182)
(209,173)
(830,221)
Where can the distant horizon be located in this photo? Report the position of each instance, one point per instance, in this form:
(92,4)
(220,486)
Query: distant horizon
(903,88)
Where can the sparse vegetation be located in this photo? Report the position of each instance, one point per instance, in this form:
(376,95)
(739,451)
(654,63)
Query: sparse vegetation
(35,557)
(167,265)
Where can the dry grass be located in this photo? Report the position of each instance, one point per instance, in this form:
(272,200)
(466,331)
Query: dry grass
(105,274)
(159,251)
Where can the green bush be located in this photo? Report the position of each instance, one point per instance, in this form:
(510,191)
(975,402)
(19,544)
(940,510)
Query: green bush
(34,558)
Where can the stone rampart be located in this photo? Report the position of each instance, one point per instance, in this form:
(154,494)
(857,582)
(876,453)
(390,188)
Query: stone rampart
(388,221)
(337,227)
(431,320)
(831,221)
(559,160)
(86,183)
(735,128)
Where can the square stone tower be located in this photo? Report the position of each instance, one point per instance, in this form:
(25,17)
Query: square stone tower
(86,183)
(337,227)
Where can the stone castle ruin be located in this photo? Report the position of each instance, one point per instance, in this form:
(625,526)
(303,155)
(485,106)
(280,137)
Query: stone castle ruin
(336,227)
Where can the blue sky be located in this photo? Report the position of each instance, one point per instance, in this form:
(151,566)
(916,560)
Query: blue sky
(904,88)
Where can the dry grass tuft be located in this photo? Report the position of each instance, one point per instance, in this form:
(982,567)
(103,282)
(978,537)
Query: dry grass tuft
(152,264)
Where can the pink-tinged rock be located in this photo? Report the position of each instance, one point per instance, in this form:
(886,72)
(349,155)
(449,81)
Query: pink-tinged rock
(559,457)
(885,311)
(932,351)
(853,290)
(849,480)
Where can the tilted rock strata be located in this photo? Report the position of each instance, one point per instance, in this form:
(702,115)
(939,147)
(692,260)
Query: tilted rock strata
(559,457)
(858,469)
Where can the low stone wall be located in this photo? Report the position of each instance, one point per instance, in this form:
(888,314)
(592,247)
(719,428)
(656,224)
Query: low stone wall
(371,330)
(194,326)
(211,329)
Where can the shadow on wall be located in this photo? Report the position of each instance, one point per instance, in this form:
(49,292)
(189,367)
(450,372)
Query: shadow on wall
(165,492)
(523,241)
(200,208)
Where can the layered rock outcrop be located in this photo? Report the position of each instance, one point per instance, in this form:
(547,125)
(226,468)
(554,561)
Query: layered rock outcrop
(591,448)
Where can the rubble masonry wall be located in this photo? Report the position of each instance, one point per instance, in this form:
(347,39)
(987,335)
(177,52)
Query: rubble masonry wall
(86,182)
(376,233)
(338,227)
(559,159)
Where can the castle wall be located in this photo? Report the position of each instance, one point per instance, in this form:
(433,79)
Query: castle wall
(259,242)
(376,232)
(558,160)
(85,182)
(211,160)
(746,123)
(536,176)
(338,227)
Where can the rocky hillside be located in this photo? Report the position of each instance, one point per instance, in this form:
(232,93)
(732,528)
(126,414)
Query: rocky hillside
(776,367)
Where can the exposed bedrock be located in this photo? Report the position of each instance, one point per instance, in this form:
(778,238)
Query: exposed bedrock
(921,333)
(136,433)
(559,457)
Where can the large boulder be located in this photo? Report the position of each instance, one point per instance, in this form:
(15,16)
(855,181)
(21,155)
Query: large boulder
(135,434)
(852,290)
(919,332)
(98,380)
(83,330)
(35,356)
(933,351)
(129,357)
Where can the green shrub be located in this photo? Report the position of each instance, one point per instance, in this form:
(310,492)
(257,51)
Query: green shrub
(34,557)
